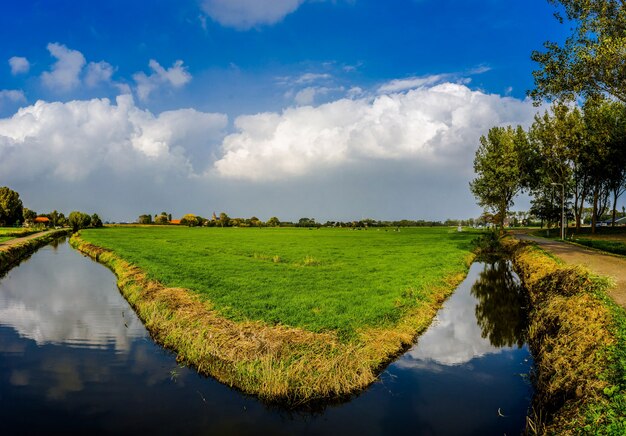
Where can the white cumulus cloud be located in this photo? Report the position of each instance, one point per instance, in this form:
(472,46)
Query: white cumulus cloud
(398,85)
(72,141)
(65,72)
(176,76)
(19,65)
(245,14)
(429,125)
(98,72)
(12,95)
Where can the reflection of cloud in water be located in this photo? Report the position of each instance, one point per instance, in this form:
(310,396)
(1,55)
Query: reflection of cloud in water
(454,338)
(58,296)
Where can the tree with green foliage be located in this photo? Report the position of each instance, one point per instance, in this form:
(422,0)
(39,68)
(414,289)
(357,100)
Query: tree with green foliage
(273,222)
(10,207)
(54,218)
(592,61)
(96,221)
(161,219)
(557,155)
(307,222)
(497,165)
(28,215)
(79,220)
(189,220)
(224,220)
(144,219)
(599,124)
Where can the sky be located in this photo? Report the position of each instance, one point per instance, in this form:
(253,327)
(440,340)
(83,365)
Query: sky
(336,110)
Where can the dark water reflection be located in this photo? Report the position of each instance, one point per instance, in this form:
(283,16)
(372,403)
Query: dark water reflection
(501,311)
(74,359)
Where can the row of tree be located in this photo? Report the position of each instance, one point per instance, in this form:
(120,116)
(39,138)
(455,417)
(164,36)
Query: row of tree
(223,220)
(13,213)
(578,147)
(580,152)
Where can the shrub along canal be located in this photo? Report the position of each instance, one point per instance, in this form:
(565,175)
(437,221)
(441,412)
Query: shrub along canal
(74,357)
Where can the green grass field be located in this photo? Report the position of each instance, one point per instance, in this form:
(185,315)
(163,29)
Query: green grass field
(8,233)
(319,280)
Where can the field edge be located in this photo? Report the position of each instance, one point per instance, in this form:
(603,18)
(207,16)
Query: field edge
(276,363)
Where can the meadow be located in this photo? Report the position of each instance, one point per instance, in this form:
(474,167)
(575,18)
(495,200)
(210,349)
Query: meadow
(8,233)
(318,280)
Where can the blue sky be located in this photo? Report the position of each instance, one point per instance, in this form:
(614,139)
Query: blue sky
(290,107)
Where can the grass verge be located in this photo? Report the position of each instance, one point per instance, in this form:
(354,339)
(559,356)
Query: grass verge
(274,361)
(577,335)
(11,255)
(614,247)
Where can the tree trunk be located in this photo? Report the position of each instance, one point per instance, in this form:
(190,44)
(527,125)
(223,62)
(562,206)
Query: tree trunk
(614,208)
(594,212)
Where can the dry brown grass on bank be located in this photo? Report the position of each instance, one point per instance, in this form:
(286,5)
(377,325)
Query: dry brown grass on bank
(569,335)
(277,363)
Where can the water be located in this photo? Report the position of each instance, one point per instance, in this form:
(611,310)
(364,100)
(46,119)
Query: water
(75,358)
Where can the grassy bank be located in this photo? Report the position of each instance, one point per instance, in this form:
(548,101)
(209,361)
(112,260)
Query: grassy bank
(578,339)
(287,314)
(11,255)
(615,247)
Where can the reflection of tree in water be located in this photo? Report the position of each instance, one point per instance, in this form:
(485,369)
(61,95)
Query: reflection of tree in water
(501,309)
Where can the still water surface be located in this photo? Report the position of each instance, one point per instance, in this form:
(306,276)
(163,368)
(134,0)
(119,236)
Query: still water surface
(75,358)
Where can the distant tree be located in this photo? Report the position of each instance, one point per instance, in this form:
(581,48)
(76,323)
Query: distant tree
(273,222)
(79,220)
(28,215)
(54,218)
(10,207)
(61,219)
(144,219)
(96,221)
(255,222)
(161,219)
(592,61)
(497,166)
(189,220)
(307,222)
(224,220)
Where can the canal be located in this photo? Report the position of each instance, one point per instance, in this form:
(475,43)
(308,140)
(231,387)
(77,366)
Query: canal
(74,357)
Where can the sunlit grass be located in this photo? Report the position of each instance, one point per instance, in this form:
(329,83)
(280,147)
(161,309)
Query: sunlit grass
(320,280)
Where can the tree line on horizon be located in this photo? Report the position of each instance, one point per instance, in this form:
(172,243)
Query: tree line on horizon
(575,152)
(223,220)
(13,213)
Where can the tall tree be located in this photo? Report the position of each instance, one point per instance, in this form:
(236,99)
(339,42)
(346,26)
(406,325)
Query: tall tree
(592,61)
(10,206)
(599,125)
(497,165)
(79,220)
(557,144)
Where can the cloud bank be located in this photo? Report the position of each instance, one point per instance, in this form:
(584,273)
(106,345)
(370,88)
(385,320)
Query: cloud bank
(430,125)
(72,141)
(384,156)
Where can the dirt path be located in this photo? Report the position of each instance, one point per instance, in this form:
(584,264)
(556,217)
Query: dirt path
(25,238)
(604,264)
